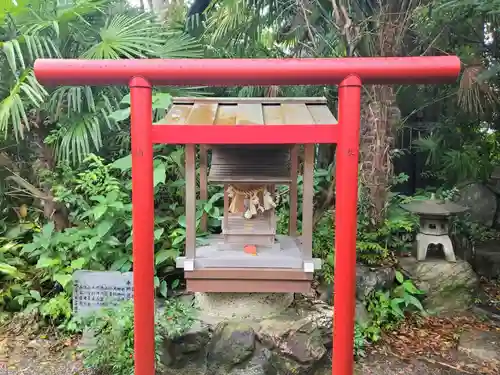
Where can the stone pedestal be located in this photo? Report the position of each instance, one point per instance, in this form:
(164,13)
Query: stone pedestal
(215,307)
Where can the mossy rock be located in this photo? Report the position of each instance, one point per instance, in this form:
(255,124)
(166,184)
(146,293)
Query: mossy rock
(232,344)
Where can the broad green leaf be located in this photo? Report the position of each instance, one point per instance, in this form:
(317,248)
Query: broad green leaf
(7,269)
(92,243)
(98,198)
(178,240)
(123,164)
(399,277)
(164,255)
(112,196)
(113,241)
(411,288)
(396,309)
(48,229)
(158,233)
(104,227)
(412,300)
(18,230)
(119,263)
(36,295)
(45,261)
(163,289)
(120,114)
(162,101)
(62,279)
(99,211)
(29,248)
(125,99)
(182,221)
(129,240)
(160,174)
(78,264)
(214,198)
(199,214)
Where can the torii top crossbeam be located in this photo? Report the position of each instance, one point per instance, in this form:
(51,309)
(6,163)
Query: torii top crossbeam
(348,73)
(242,72)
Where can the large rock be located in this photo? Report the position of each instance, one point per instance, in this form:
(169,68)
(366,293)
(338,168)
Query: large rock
(487,259)
(463,246)
(449,287)
(297,344)
(293,342)
(188,349)
(362,316)
(368,280)
(481,201)
(319,313)
(231,345)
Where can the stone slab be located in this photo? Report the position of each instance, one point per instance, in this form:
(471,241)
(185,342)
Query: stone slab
(93,290)
(481,345)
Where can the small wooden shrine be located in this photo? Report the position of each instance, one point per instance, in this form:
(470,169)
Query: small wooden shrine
(248,256)
(434,215)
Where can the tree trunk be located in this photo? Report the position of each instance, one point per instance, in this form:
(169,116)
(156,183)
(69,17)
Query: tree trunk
(379,117)
(380,113)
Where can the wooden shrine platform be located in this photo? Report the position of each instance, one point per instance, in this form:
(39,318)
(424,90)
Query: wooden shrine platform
(219,266)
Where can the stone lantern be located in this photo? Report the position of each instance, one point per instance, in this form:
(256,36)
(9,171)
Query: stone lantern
(434,217)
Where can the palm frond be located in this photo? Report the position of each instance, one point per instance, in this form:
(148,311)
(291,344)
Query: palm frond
(13,108)
(79,138)
(178,45)
(127,36)
(34,45)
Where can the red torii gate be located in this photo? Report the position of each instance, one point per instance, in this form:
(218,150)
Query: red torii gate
(348,73)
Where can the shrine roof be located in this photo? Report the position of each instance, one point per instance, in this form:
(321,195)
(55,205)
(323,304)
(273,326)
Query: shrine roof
(249,111)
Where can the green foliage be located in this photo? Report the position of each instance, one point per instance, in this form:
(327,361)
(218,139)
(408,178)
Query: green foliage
(459,157)
(373,246)
(114,332)
(37,264)
(36,260)
(323,245)
(474,231)
(387,308)
(359,341)
(76,119)
(26,285)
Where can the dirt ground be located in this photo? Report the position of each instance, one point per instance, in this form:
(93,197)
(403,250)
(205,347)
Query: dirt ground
(48,357)
(424,347)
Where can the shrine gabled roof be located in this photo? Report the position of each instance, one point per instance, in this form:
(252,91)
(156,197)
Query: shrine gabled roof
(249,111)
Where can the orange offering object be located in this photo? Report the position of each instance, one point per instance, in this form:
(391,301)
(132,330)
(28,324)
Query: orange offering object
(250,249)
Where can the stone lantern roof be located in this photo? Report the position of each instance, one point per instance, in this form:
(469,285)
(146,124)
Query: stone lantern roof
(433,207)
